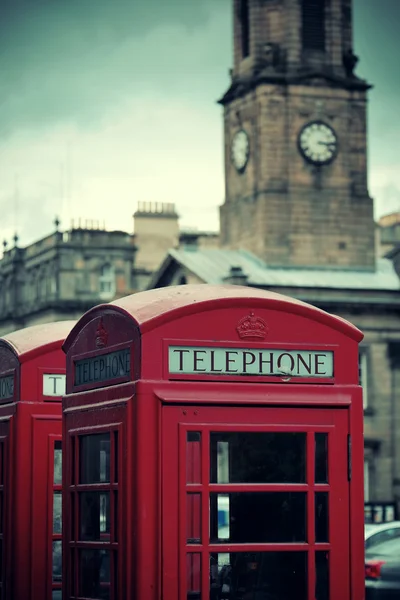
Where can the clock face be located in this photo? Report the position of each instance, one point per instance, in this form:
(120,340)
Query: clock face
(318,143)
(240,150)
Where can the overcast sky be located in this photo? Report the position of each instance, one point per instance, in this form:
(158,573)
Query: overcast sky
(107,103)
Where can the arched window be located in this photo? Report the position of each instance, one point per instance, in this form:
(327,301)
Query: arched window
(7,299)
(1,295)
(107,282)
(313,24)
(245,22)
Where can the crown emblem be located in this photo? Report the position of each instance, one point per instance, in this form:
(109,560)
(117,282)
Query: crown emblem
(101,335)
(252,327)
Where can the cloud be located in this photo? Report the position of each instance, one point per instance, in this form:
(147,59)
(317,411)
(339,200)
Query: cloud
(146,152)
(75,60)
(108,102)
(98,114)
(385,189)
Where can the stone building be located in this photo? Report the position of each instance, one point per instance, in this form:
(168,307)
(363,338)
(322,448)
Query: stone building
(388,233)
(156,228)
(64,274)
(297,216)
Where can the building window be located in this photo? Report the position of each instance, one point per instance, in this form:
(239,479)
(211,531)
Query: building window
(107,282)
(43,285)
(313,24)
(32,292)
(53,284)
(1,295)
(366,481)
(245,23)
(363,374)
(7,300)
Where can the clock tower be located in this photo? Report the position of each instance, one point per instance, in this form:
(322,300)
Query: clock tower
(296,138)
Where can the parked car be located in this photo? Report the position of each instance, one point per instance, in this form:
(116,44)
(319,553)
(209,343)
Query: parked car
(382,571)
(375,534)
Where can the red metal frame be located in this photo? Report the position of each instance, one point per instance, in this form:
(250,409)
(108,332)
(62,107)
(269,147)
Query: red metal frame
(53,488)
(31,419)
(4,485)
(175,426)
(110,422)
(151,546)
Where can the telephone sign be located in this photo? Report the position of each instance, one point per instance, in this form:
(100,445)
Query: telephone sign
(6,387)
(189,360)
(53,384)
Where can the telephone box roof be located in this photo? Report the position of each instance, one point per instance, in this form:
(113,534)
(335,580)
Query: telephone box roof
(149,309)
(28,342)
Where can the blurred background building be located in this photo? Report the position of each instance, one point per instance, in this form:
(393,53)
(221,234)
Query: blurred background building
(297,216)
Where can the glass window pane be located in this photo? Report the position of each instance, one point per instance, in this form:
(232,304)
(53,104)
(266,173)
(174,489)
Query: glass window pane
(1,463)
(57,560)
(116,456)
(94,460)
(193,520)
(193,457)
(321,517)
(94,574)
(56,595)
(219,516)
(322,576)
(321,458)
(116,524)
(193,576)
(259,457)
(57,463)
(57,507)
(94,515)
(261,517)
(258,575)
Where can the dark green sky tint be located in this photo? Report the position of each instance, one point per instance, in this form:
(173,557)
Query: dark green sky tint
(377,42)
(74,59)
(64,59)
(79,62)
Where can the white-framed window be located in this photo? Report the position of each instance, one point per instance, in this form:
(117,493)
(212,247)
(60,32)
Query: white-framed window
(363,374)
(107,282)
(53,284)
(366,481)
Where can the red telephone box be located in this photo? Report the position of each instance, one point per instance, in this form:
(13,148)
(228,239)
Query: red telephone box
(32,383)
(214,450)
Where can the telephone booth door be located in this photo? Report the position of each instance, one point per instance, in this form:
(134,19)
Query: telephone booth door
(258,507)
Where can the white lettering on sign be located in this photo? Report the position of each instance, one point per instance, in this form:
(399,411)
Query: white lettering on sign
(103,368)
(189,360)
(53,384)
(6,387)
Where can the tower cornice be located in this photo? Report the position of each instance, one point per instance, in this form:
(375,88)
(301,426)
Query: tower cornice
(240,86)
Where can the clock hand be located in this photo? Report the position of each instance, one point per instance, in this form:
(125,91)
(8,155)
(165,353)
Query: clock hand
(326,143)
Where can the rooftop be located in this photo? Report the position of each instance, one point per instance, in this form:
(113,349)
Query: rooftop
(214,265)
